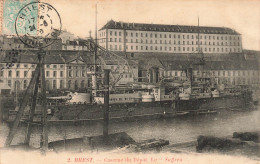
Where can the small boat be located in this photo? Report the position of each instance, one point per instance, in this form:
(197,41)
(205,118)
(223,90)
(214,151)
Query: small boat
(207,112)
(181,113)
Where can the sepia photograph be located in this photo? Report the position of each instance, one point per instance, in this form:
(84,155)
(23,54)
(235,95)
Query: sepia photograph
(129,81)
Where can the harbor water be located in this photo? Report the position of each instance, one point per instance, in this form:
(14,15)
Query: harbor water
(176,130)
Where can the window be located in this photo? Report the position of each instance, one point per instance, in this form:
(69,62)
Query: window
(111,33)
(54,73)
(10,73)
(69,84)
(136,34)
(24,84)
(54,84)
(54,66)
(119,39)
(25,66)
(1,73)
(61,84)
(9,83)
(61,66)
(70,73)
(17,73)
(115,33)
(61,73)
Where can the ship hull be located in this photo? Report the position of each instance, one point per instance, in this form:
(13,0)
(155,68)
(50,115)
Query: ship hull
(142,110)
(148,110)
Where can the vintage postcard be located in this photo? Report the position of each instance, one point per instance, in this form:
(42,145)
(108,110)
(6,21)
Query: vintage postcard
(129,81)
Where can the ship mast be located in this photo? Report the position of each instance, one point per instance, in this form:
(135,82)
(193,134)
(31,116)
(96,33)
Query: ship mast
(94,78)
(201,63)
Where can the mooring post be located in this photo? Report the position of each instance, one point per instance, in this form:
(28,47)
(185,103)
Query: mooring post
(106,104)
(21,108)
(32,111)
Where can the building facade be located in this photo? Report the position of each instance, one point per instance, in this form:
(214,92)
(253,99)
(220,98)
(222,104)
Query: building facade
(64,70)
(57,72)
(136,37)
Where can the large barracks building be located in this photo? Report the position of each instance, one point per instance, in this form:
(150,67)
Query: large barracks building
(137,37)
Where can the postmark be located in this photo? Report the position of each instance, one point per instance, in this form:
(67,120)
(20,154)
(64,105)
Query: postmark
(38,30)
(11,59)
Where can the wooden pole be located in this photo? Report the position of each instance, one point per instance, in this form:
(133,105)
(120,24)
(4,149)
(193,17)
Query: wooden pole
(41,56)
(20,112)
(32,111)
(106,103)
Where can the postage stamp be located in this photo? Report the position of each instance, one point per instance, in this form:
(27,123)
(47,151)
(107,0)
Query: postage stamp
(10,11)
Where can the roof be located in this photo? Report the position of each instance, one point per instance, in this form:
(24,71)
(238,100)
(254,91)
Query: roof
(174,61)
(212,65)
(169,28)
(182,56)
(57,57)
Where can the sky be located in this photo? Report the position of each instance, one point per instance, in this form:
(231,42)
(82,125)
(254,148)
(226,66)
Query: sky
(78,16)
